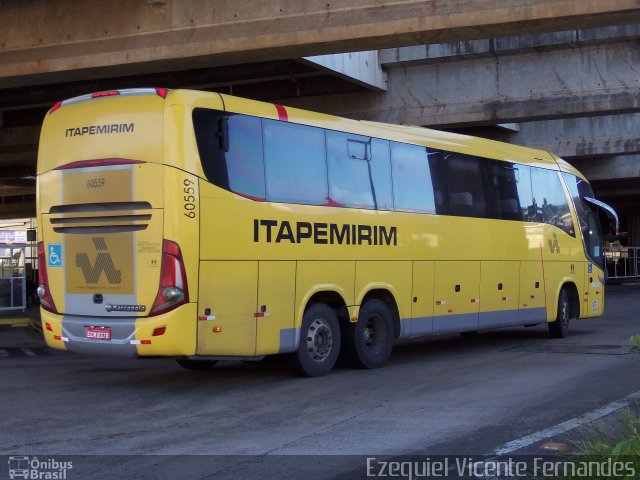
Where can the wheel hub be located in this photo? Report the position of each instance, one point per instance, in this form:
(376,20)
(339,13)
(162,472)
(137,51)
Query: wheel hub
(373,332)
(319,340)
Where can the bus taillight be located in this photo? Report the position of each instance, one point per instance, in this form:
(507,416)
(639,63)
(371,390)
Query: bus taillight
(43,289)
(109,93)
(173,290)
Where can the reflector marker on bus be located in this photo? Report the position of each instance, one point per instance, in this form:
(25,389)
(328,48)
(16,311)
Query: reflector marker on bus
(261,314)
(159,331)
(140,342)
(283,116)
(475,300)
(203,318)
(505,299)
(440,302)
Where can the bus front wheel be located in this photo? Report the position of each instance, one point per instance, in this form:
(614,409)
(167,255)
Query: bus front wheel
(369,341)
(319,342)
(560,328)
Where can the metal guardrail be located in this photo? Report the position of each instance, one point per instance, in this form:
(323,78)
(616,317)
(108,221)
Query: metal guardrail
(623,263)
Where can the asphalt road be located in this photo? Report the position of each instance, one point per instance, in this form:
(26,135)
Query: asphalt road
(449,395)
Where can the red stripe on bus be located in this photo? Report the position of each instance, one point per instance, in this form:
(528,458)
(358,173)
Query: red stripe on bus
(282,113)
(251,197)
(100,162)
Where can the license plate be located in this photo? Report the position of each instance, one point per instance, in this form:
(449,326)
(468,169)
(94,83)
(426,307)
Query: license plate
(98,333)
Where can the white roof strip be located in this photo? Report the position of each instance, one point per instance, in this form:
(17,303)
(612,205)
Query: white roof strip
(121,93)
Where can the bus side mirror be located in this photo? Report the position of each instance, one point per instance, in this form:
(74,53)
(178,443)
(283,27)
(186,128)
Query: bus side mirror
(608,217)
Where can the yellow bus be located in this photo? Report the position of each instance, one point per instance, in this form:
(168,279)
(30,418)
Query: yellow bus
(203,226)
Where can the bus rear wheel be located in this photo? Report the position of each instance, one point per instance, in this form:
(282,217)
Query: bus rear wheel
(369,341)
(198,365)
(319,342)
(560,328)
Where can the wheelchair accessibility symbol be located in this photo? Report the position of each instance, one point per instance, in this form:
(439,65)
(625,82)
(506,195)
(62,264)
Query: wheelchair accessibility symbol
(54,255)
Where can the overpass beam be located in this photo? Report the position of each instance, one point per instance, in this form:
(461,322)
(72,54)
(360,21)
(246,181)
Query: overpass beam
(362,68)
(69,40)
(568,82)
(583,137)
(617,167)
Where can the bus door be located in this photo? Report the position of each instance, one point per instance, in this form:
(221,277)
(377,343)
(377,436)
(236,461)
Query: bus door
(594,280)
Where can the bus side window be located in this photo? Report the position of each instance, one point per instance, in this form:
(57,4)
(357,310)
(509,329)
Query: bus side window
(412,186)
(525,194)
(244,159)
(295,169)
(550,201)
(504,182)
(438,169)
(469,185)
(359,171)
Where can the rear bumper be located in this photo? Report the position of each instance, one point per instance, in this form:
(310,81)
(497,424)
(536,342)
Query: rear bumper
(130,336)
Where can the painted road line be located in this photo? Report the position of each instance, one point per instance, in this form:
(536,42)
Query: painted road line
(28,352)
(3,352)
(563,427)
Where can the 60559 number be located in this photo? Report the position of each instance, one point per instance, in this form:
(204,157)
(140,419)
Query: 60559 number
(189,198)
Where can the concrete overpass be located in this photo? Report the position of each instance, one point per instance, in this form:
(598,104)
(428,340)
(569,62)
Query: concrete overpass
(62,40)
(563,73)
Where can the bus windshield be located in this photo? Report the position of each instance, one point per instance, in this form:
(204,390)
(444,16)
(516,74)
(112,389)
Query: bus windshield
(587,217)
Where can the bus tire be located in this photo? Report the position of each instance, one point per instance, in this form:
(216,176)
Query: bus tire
(319,342)
(369,341)
(560,328)
(197,365)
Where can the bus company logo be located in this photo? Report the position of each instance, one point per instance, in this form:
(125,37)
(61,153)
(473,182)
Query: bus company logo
(274,231)
(36,469)
(103,263)
(100,129)
(553,244)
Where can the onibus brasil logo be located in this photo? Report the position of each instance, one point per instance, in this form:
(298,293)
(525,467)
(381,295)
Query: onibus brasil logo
(38,469)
